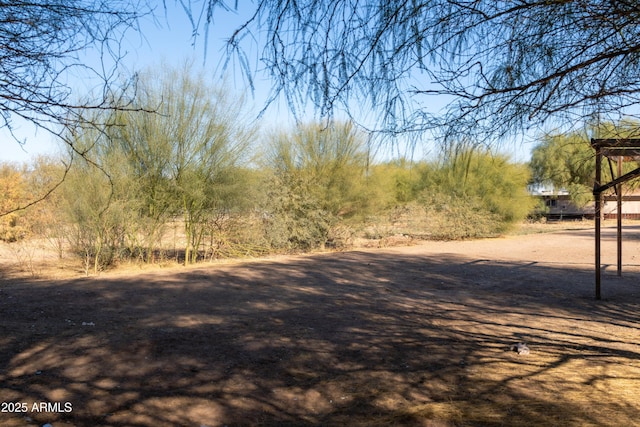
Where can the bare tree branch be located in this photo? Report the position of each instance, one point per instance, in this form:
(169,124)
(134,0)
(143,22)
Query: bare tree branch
(503,66)
(43,48)
(44,45)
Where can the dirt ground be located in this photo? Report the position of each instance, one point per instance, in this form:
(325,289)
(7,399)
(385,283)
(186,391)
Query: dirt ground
(404,336)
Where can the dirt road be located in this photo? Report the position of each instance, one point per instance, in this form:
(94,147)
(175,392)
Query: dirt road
(407,336)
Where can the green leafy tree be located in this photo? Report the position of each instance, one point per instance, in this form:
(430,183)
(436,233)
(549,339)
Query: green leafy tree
(567,161)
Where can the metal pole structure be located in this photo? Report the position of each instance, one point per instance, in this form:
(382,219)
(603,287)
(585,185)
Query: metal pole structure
(597,213)
(611,148)
(619,202)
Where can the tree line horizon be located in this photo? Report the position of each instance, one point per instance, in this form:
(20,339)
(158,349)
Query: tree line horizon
(187,153)
(504,67)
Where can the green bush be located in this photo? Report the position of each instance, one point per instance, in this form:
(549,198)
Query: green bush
(318,182)
(451,217)
(295,218)
(474,193)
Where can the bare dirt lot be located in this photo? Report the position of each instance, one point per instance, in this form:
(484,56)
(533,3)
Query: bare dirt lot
(406,336)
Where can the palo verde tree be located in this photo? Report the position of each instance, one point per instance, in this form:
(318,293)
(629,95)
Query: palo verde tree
(175,153)
(97,196)
(187,153)
(502,66)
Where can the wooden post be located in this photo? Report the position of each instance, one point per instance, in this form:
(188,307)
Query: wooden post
(619,208)
(611,148)
(597,214)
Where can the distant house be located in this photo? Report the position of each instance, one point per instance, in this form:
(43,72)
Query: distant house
(559,207)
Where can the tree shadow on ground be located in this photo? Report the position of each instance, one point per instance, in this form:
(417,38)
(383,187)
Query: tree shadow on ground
(357,338)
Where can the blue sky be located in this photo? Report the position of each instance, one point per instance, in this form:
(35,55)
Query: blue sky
(169,39)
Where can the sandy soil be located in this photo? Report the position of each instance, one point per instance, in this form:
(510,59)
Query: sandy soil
(405,336)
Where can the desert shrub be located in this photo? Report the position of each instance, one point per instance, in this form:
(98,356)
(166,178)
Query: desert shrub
(11,230)
(452,217)
(318,180)
(98,214)
(295,219)
(474,193)
(45,219)
(340,236)
(539,212)
(236,235)
(395,183)
(13,193)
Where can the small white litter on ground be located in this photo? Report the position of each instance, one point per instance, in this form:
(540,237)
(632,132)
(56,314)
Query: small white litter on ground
(520,348)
